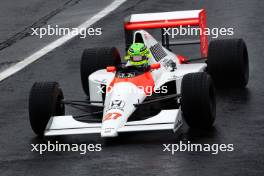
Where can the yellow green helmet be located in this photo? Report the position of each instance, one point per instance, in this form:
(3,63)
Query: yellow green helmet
(138,54)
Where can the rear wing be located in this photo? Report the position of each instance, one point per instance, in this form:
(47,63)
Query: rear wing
(169,20)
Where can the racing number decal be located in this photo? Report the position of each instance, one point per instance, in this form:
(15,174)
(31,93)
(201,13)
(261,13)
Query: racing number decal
(112,116)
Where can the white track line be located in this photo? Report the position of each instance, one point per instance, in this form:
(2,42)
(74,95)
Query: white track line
(35,56)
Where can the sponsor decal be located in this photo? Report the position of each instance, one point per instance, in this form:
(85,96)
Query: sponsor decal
(103,81)
(117,104)
(108,130)
(126,75)
(112,116)
(174,77)
(169,63)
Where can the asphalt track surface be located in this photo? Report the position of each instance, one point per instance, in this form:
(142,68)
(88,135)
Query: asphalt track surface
(239,121)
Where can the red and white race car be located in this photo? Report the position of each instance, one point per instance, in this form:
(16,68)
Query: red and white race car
(155,97)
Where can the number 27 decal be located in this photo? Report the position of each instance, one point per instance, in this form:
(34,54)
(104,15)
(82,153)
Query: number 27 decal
(112,116)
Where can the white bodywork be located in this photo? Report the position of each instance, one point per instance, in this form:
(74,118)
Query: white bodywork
(187,14)
(112,125)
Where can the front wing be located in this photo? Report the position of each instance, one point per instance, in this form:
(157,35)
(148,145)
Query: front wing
(67,125)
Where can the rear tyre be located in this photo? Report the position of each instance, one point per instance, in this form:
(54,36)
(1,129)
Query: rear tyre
(198,103)
(94,59)
(228,62)
(44,102)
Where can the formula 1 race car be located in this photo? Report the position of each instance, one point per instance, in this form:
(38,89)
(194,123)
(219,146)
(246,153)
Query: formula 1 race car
(155,97)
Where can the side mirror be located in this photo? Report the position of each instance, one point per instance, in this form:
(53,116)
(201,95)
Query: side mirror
(111,69)
(155,66)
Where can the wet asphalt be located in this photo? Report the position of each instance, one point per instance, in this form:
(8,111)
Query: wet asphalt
(240,118)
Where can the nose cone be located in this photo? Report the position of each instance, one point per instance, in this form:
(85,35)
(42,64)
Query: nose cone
(119,105)
(113,119)
(109,132)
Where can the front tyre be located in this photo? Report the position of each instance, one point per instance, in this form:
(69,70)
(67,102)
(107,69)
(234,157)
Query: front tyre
(94,59)
(198,102)
(44,102)
(228,62)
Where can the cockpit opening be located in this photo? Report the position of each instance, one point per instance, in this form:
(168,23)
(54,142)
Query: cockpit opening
(138,38)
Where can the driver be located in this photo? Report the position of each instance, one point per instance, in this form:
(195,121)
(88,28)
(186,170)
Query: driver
(138,55)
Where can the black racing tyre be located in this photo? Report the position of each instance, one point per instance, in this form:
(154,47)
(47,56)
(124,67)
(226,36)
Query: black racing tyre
(228,62)
(198,102)
(44,102)
(94,59)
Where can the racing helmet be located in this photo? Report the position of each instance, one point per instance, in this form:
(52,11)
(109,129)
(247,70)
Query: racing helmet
(138,54)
